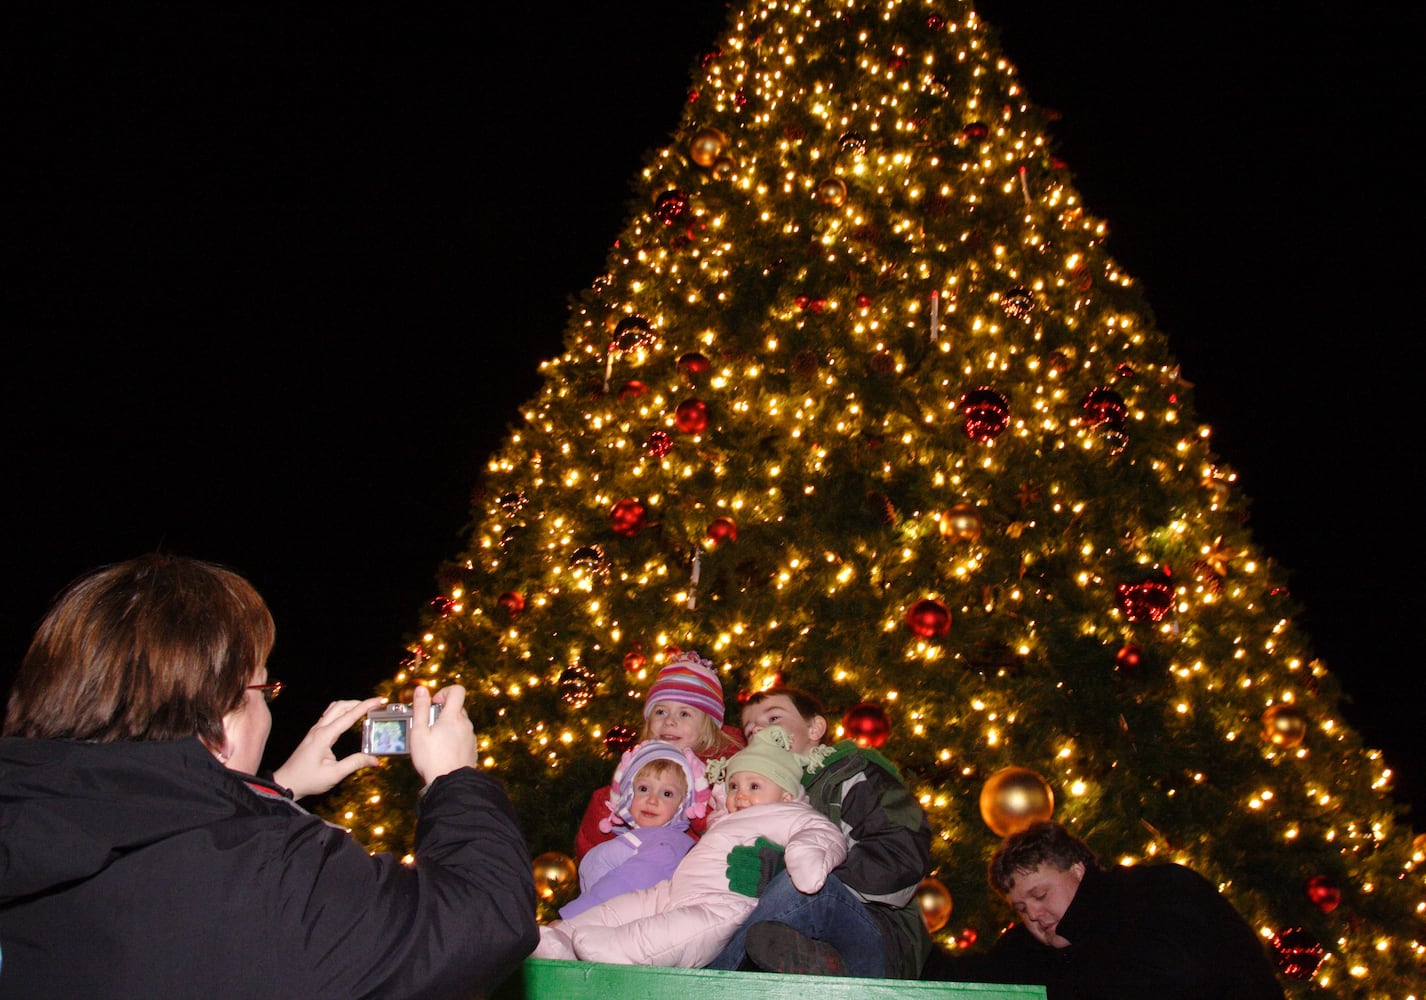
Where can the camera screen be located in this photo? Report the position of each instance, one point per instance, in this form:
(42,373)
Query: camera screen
(388,736)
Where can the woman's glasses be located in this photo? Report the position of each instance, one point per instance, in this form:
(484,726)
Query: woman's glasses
(270,690)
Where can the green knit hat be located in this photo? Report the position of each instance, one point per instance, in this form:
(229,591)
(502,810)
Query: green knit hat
(769,753)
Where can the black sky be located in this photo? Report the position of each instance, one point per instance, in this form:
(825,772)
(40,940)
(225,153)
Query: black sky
(280,277)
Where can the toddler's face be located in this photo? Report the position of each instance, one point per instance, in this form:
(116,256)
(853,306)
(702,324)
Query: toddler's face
(748,788)
(656,799)
(676,723)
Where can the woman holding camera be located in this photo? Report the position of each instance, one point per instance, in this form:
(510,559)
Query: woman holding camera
(141,857)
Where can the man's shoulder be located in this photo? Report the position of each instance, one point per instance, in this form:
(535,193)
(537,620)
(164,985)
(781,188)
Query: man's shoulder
(1159,874)
(847,758)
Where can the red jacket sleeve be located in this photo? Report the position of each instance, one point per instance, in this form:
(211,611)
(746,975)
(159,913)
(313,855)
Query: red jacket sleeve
(589,833)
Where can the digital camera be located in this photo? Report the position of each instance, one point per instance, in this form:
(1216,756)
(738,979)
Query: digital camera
(386,731)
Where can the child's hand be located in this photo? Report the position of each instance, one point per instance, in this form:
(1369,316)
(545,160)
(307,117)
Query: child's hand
(751,868)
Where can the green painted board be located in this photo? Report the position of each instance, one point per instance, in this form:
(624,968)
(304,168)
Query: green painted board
(552,979)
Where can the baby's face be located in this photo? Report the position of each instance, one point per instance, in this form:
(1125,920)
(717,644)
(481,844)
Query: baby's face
(748,788)
(656,799)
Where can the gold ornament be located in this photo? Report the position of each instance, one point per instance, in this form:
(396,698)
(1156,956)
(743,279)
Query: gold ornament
(935,900)
(723,168)
(1013,798)
(706,146)
(1418,847)
(553,872)
(1285,726)
(832,191)
(961,523)
(1217,556)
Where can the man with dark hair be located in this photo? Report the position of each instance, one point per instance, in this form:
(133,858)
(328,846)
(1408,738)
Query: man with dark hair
(1157,931)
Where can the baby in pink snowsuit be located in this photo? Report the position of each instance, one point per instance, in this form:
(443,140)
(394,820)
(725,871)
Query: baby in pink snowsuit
(686,920)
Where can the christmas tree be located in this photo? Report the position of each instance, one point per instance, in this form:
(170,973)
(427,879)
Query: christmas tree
(862,404)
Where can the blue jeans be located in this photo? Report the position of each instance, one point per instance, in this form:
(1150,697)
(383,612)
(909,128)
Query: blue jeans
(832,914)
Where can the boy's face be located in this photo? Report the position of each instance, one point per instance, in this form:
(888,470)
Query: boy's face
(656,798)
(1041,898)
(748,788)
(675,723)
(778,710)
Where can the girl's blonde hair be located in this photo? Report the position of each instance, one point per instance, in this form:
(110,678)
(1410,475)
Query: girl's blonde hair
(712,738)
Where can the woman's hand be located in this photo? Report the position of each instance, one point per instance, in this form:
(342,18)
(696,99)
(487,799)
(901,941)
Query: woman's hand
(448,744)
(313,768)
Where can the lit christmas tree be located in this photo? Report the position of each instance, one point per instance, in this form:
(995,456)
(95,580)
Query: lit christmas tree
(863,405)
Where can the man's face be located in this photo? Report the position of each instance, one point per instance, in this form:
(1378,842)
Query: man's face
(1041,898)
(778,710)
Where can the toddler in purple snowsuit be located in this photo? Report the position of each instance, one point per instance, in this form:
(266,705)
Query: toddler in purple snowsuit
(657,789)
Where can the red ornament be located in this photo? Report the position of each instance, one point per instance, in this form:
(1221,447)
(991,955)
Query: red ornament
(634,660)
(1104,407)
(987,413)
(722,529)
(968,937)
(863,301)
(1323,893)
(929,618)
(658,444)
(670,206)
(1297,953)
(867,724)
(619,739)
(1150,600)
(691,417)
(512,602)
(693,364)
(976,131)
(627,517)
(1128,660)
(802,301)
(632,389)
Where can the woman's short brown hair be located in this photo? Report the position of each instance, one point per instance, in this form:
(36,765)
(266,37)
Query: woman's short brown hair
(157,648)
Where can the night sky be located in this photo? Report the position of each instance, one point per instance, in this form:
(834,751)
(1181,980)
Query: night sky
(285,276)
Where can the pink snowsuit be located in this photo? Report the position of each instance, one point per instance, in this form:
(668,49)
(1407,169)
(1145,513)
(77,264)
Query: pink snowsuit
(684,921)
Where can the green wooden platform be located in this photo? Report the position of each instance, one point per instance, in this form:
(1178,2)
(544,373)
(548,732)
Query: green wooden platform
(551,979)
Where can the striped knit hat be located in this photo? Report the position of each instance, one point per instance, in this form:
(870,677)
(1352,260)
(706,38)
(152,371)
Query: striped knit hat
(690,680)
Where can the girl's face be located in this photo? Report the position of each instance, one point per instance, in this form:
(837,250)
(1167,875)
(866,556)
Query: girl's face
(748,788)
(656,798)
(676,723)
